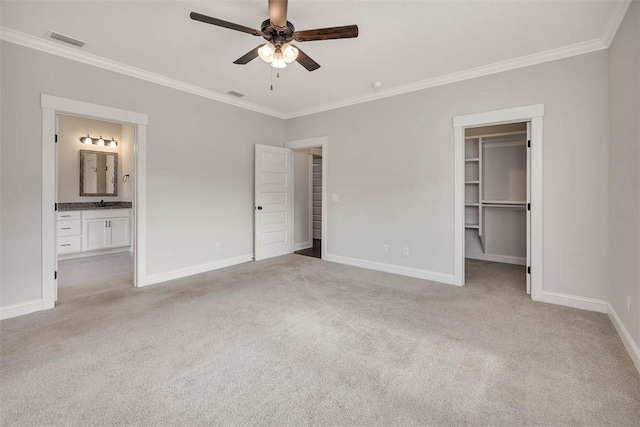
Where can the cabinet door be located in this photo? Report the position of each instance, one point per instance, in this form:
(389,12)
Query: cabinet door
(94,234)
(119,230)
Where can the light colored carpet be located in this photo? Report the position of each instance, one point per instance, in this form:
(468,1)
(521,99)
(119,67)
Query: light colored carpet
(296,340)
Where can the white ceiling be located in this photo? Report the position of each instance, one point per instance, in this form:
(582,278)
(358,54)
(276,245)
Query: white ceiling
(400,42)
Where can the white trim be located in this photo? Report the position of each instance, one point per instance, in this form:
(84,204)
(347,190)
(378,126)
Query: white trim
(617,16)
(392,268)
(44,45)
(87,109)
(625,336)
(52,105)
(48,236)
(530,113)
(303,245)
(197,269)
(21,309)
(321,141)
(575,301)
(310,201)
(506,115)
(505,259)
(75,54)
(485,70)
(75,255)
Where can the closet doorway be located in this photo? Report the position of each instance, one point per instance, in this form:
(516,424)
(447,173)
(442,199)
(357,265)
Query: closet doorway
(308,202)
(497,223)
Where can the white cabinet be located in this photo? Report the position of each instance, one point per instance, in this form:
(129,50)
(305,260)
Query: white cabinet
(118,233)
(106,229)
(69,232)
(93,230)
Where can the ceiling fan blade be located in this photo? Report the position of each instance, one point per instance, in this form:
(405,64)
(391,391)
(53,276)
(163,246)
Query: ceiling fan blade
(220,23)
(278,13)
(248,57)
(346,32)
(306,61)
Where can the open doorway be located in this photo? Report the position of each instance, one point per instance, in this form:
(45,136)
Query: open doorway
(95,192)
(497,223)
(308,202)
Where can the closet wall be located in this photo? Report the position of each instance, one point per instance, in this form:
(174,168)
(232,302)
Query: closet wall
(496,193)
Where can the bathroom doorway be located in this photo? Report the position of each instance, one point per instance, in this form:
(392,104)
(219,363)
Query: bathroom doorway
(95,191)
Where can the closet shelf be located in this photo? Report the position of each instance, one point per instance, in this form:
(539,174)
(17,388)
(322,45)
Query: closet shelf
(503,202)
(472,204)
(475,159)
(472,182)
(472,226)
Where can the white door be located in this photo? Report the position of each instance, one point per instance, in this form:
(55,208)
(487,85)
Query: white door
(273,202)
(528,272)
(119,232)
(94,234)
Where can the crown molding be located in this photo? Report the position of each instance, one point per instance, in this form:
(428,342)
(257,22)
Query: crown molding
(485,70)
(43,45)
(617,16)
(50,47)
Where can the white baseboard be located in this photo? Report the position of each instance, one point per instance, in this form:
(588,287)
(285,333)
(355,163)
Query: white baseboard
(303,245)
(392,268)
(505,259)
(64,257)
(574,301)
(20,309)
(196,269)
(627,340)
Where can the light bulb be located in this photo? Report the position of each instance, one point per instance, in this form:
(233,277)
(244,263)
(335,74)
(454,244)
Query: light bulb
(278,60)
(88,140)
(266,52)
(289,52)
(101,141)
(113,143)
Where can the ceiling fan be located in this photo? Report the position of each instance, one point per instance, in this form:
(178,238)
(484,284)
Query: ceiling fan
(278,32)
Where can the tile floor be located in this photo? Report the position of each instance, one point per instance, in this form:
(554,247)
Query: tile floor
(81,277)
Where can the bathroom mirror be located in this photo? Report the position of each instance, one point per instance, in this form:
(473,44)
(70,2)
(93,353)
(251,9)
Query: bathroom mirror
(98,173)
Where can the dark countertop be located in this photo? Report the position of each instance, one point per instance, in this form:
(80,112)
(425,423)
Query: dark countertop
(89,206)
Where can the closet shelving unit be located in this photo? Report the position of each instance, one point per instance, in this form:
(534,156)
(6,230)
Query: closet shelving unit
(475,203)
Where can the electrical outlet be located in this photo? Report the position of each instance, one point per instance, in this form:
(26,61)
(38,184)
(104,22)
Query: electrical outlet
(216,247)
(385,248)
(628,304)
(405,251)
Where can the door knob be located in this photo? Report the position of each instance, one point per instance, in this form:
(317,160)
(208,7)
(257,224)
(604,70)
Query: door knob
(259,208)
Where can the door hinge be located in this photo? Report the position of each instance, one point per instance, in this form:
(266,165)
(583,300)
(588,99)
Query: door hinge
(529,143)
(56,139)
(528,270)
(55,275)
(55,207)
(528,206)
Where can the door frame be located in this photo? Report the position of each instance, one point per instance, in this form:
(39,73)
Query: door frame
(319,142)
(51,106)
(530,113)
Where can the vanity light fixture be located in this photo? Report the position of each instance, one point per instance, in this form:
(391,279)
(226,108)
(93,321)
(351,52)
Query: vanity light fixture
(88,140)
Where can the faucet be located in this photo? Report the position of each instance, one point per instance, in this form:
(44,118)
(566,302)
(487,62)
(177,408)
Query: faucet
(102,204)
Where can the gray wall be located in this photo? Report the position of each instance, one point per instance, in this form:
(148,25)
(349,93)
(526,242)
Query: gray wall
(199,166)
(391,163)
(624,68)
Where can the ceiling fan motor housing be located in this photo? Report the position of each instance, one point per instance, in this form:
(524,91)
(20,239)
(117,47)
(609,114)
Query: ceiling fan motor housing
(277,35)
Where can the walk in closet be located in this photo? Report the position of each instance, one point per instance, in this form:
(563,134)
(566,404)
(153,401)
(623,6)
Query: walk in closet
(496,193)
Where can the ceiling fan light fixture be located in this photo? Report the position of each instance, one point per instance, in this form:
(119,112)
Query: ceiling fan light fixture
(278,59)
(267,52)
(289,52)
